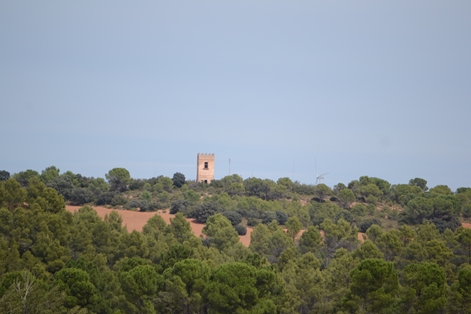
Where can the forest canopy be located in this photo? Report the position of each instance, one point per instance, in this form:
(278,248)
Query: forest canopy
(305,254)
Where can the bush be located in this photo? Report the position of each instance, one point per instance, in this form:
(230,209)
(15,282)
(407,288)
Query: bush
(234,217)
(206,210)
(252,222)
(105,198)
(179,206)
(132,204)
(466,211)
(136,184)
(365,225)
(359,210)
(80,196)
(119,199)
(144,206)
(281,217)
(452,223)
(241,230)
(178,179)
(268,217)
(146,196)
(156,206)
(345,215)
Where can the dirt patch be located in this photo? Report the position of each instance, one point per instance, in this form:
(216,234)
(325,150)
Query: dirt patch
(133,220)
(466,225)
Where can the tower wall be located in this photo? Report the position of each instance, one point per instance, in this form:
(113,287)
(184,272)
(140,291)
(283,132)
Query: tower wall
(205,168)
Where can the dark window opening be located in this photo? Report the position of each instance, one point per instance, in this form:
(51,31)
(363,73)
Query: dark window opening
(205,181)
(205,165)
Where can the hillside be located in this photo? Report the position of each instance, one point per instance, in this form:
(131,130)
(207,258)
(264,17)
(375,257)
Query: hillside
(415,259)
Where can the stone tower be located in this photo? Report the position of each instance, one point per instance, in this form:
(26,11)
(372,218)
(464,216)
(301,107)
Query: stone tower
(205,168)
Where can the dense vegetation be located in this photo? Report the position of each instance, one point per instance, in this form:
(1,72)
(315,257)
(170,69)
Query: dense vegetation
(415,258)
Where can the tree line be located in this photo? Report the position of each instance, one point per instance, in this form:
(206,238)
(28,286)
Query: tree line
(415,258)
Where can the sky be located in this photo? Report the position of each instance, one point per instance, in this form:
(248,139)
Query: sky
(281,88)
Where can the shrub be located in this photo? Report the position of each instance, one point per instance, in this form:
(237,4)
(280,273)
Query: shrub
(241,230)
(80,196)
(344,214)
(452,223)
(179,206)
(119,199)
(206,210)
(365,225)
(105,198)
(136,184)
(252,222)
(157,205)
(234,217)
(466,211)
(146,196)
(132,204)
(281,217)
(359,210)
(178,179)
(268,217)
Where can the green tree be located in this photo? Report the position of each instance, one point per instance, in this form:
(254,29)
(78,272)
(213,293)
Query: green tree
(234,217)
(460,293)
(98,186)
(192,196)
(140,285)
(220,232)
(374,287)
(4,175)
(463,236)
(185,283)
(277,243)
(418,209)
(310,240)
(80,196)
(293,225)
(29,295)
(441,189)
(259,239)
(180,228)
(49,174)
(13,194)
(118,178)
(205,210)
(339,235)
(425,288)
(420,183)
(77,286)
(24,176)
(390,244)
(321,191)
(178,179)
(63,184)
(338,279)
(368,250)
(240,288)
(346,197)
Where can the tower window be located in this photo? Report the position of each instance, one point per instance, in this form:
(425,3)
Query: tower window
(205,165)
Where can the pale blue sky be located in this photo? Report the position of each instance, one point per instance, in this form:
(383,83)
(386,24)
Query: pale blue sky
(376,88)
